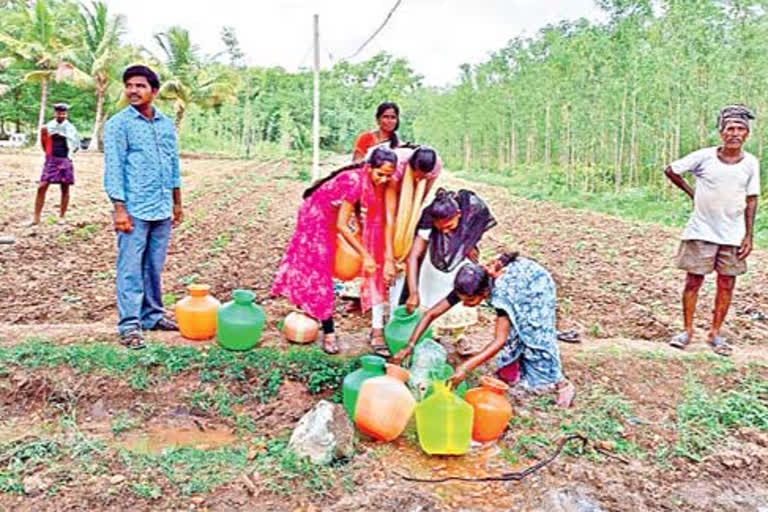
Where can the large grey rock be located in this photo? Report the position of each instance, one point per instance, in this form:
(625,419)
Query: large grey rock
(323,434)
(567,499)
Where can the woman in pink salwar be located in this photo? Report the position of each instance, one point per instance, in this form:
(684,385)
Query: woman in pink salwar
(305,273)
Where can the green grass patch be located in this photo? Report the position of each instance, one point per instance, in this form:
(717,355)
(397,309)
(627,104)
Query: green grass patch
(24,457)
(86,232)
(705,417)
(526,446)
(185,470)
(192,471)
(169,299)
(220,243)
(146,490)
(601,417)
(124,422)
(319,371)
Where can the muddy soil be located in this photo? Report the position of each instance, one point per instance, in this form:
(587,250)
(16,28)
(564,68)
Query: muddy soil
(732,477)
(617,285)
(616,278)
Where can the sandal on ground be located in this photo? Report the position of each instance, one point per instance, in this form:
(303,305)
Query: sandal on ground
(680,340)
(329,347)
(165,324)
(132,340)
(571,336)
(720,346)
(378,345)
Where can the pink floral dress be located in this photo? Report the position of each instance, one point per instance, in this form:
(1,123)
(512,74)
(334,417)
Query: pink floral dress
(373,289)
(305,275)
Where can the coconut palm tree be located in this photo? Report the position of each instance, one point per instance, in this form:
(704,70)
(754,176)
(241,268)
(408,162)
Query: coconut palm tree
(191,79)
(99,57)
(36,41)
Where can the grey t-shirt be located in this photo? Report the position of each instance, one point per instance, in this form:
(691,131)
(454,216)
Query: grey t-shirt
(720,197)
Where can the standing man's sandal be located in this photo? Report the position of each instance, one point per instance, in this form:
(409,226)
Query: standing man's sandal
(680,341)
(720,346)
(165,324)
(132,340)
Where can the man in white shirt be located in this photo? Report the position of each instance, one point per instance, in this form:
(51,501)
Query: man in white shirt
(719,233)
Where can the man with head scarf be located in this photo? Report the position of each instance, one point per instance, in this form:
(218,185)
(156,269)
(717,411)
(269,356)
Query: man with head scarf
(719,233)
(60,141)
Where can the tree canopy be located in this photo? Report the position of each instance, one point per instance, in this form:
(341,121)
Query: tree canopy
(596,105)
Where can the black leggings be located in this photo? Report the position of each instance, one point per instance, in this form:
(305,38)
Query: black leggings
(328,326)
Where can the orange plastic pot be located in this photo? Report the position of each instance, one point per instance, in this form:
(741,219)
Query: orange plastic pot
(348,263)
(196,314)
(384,405)
(299,328)
(492,409)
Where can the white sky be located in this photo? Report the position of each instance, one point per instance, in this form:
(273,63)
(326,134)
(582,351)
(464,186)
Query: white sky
(436,36)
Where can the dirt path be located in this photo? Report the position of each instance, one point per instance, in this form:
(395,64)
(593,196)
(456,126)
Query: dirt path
(615,278)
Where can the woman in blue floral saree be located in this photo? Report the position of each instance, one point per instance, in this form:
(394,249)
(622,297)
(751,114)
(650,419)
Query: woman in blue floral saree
(525,342)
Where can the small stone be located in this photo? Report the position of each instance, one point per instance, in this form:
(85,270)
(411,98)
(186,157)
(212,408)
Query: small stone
(117,479)
(197,500)
(733,460)
(609,446)
(98,411)
(34,485)
(567,500)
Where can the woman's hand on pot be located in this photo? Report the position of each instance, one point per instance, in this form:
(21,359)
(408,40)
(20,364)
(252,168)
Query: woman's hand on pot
(458,375)
(412,303)
(400,356)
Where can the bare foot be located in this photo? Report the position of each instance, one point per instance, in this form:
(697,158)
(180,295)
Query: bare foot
(329,344)
(566,392)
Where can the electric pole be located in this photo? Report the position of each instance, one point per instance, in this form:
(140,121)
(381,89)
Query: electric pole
(316,105)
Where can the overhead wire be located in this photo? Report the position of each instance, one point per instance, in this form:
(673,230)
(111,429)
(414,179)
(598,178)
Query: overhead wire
(376,32)
(306,54)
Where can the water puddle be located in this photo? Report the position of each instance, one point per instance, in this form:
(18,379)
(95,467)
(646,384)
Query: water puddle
(154,440)
(481,460)
(405,458)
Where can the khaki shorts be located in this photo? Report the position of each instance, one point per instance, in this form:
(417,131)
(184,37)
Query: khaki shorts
(700,257)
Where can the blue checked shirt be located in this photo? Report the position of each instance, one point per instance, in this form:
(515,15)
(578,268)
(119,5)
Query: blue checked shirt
(141,163)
